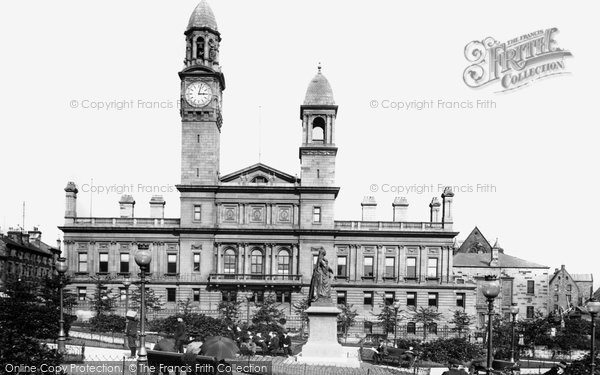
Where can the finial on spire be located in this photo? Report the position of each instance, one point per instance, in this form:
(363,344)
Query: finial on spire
(319,67)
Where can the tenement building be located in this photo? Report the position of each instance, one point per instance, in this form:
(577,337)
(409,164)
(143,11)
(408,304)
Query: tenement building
(522,282)
(256,231)
(24,255)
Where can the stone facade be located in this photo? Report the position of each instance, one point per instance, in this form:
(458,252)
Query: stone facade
(24,255)
(522,282)
(257,230)
(569,290)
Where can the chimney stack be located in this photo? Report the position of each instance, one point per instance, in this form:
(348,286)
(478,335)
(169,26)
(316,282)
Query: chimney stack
(369,207)
(400,207)
(126,205)
(157,207)
(71,200)
(434,210)
(447,197)
(35,237)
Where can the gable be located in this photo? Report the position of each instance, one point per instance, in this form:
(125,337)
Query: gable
(475,243)
(259,174)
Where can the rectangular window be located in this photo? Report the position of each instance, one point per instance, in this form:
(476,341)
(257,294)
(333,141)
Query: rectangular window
(411,300)
(229,296)
(103,264)
(258,296)
(569,288)
(197,212)
(122,294)
(556,298)
(390,267)
(283,297)
(368,267)
(389,298)
(460,300)
(568,298)
(341,298)
(171,294)
(82,265)
(171,263)
(342,266)
(81,293)
(368,298)
(530,287)
(556,287)
(196,262)
(411,268)
(530,313)
(433,300)
(124,264)
(196,295)
(432,267)
(316,214)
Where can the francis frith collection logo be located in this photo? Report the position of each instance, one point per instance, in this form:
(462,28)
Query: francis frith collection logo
(514,63)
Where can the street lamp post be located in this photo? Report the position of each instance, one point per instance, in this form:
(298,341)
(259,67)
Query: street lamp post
(61,267)
(396,308)
(143,257)
(126,284)
(514,310)
(490,290)
(593,306)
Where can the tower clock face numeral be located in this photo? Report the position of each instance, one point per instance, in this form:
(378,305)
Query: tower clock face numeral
(198,94)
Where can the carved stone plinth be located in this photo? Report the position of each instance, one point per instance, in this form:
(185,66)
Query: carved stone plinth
(322,347)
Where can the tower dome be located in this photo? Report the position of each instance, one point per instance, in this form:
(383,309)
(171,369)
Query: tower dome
(319,91)
(203,16)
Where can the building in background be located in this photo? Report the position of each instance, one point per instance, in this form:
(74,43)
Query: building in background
(522,282)
(24,255)
(569,290)
(257,231)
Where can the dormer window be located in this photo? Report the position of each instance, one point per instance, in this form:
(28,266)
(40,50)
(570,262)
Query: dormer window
(259,180)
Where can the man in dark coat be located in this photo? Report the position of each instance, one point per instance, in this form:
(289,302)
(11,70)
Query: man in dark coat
(273,343)
(180,335)
(131,332)
(287,344)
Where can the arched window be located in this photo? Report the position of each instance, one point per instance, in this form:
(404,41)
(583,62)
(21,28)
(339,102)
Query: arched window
(283,262)
(432,328)
(411,328)
(318,129)
(259,180)
(229,262)
(256,264)
(200,48)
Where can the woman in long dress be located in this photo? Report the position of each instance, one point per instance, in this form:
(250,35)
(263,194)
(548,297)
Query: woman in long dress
(320,284)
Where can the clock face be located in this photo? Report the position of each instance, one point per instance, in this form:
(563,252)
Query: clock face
(198,94)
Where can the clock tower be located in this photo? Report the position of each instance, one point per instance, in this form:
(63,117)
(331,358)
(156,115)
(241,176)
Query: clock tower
(202,85)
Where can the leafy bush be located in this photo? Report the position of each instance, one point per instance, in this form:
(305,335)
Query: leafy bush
(206,325)
(107,323)
(442,351)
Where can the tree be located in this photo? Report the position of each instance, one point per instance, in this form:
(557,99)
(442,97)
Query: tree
(388,318)
(346,318)
(426,316)
(152,302)
(300,309)
(229,311)
(28,315)
(268,312)
(185,305)
(462,321)
(103,300)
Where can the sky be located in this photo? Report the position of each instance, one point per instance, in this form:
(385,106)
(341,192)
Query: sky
(524,170)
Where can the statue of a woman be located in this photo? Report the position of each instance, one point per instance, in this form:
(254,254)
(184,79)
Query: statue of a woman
(320,283)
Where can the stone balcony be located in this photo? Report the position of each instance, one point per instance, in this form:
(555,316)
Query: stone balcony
(392,226)
(248,280)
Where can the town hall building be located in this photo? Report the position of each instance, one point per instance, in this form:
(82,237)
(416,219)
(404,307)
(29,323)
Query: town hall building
(242,235)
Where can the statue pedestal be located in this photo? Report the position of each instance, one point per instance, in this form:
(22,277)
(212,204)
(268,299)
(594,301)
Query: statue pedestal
(322,347)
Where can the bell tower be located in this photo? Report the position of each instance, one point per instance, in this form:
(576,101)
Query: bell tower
(202,85)
(318,150)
